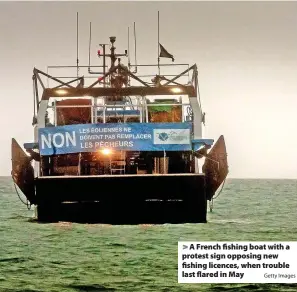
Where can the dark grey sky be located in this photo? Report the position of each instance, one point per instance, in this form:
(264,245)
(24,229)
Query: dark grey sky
(246,53)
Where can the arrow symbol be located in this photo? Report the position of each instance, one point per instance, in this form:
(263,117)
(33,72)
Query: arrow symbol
(185,246)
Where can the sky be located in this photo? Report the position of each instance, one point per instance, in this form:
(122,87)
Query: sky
(246,54)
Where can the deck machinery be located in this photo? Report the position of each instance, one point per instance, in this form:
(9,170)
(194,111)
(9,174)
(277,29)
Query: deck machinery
(122,149)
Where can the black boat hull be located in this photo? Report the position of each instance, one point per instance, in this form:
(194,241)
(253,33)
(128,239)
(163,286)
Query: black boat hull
(127,199)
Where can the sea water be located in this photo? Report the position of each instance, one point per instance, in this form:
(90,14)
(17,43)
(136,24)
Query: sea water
(68,257)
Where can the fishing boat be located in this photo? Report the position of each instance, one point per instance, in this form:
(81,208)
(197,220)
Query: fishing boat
(119,146)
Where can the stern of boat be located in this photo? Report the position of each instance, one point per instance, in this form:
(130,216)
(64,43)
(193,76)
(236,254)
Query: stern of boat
(120,199)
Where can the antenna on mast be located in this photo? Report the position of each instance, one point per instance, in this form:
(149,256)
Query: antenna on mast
(77,69)
(90,38)
(135,70)
(159,42)
(129,64)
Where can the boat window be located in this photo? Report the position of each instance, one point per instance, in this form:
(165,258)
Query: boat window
(127,109)
(168,109)
(131,109)
(71,111)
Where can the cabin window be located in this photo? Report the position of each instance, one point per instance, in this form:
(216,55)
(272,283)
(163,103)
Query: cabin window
(72,111)
(165,111)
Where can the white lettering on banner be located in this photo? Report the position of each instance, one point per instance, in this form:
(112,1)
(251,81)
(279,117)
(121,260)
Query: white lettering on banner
(104,130)
(117,136)
(134,136)
(237,262)
(46,140)
(171,136)
(58,140)
(114,144)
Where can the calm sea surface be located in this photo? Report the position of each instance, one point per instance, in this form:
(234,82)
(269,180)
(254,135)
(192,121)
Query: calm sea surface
(91,258)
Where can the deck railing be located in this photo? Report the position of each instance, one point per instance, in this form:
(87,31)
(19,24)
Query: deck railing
(124,110)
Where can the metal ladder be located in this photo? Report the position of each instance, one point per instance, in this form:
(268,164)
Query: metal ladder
(120,167)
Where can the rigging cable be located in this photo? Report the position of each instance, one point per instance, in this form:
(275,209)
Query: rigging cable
(25,203)
(213,198)
(198,91)
(220,190)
